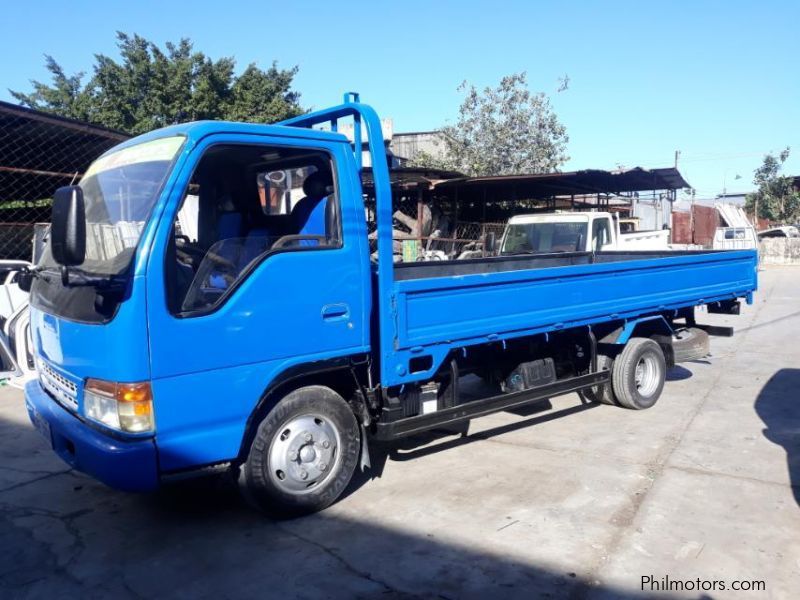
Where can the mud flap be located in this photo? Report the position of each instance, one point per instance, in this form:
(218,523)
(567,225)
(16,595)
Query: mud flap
(365,464)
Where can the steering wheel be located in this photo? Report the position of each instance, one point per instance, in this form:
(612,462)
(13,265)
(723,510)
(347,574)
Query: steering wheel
(219,260)
(196,255)
(188,249)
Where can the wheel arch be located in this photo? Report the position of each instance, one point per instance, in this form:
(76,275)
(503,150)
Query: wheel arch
(641,327)
(336,374)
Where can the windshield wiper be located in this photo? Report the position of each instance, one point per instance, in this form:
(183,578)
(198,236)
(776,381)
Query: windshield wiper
(72,278)
(103,283)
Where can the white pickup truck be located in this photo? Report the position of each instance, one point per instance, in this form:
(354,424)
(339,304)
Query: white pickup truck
(575,232)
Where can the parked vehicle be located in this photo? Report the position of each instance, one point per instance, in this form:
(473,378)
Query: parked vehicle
(14,335)
(737,233)
(577,232)
(252,334)
(11,296)
(17,346)
(786,231)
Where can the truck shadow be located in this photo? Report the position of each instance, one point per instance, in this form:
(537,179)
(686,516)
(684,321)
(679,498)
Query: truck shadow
(439,440)
(200,539)
(778,406)
(343,556)
(678,373)
(72,537)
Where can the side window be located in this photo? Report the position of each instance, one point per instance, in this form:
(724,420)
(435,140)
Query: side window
(243,204)
(601,234)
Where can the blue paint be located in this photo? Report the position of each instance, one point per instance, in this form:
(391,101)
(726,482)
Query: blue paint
(208,373)
(128,465)
(632,324)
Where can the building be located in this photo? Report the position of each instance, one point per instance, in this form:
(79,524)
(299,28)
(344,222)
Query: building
(407,146)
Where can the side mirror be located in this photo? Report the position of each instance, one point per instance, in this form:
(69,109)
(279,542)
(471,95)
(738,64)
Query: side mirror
(490,243)
(68,232)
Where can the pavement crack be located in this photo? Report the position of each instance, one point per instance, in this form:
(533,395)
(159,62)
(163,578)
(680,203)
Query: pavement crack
(34,480)
(50,558)
(508,525)
(714,473)
(347,565)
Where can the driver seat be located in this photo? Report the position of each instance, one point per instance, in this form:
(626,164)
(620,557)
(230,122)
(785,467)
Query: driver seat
(313,215)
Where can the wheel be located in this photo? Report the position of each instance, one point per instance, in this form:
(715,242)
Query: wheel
(638,374)
(304,452)
(602,393)
(688,343)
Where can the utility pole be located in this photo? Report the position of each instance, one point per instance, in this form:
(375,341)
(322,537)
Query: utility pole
(755,216)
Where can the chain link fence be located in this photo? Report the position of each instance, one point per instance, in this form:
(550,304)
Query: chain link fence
(39,153)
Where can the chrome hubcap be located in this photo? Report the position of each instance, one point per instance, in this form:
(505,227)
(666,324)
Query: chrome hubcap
(303,454)
(647,375)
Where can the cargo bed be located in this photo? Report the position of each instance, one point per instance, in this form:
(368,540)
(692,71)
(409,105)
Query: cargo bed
(440,306)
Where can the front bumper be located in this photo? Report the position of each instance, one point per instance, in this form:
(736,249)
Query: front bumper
(125,465)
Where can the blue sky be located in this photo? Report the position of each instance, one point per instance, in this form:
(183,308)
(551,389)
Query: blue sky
(717,80)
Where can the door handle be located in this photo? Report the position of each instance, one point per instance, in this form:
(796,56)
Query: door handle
(335,312)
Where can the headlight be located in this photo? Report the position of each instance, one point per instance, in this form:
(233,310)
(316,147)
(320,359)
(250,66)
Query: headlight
(123,406)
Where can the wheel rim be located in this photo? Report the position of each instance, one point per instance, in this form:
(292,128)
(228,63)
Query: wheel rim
(304,454)
(647,375)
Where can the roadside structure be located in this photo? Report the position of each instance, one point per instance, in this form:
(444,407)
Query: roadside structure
(40,152)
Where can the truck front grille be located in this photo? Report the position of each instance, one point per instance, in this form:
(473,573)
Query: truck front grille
(61,389)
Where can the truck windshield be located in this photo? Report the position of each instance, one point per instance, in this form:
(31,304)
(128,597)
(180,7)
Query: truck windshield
(119,190)
(523,238)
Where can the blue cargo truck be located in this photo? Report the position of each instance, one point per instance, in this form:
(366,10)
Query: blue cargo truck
(209,301)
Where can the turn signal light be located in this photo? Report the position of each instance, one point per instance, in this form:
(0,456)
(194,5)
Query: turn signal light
(123,406)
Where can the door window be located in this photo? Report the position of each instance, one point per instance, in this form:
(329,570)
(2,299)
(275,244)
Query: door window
(245,203)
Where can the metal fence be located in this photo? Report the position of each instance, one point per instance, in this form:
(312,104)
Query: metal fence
(39,153)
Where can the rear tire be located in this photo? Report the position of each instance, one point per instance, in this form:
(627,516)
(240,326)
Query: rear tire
(638,374)
(687,343)
(604,394)
(304,453)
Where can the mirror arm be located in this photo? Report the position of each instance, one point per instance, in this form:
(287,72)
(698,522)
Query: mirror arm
(103,284)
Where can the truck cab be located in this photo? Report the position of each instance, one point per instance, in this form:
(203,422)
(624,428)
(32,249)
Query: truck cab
(217,256)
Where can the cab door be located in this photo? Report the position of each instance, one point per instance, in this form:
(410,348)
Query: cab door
(269,289)
(602,235)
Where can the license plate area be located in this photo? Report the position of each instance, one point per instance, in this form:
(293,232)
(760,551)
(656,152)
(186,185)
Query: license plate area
(40,424)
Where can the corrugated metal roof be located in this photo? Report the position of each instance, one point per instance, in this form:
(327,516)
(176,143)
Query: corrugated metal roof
(548,185)
(406,177)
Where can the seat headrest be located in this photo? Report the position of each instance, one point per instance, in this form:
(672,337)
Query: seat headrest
(318,185)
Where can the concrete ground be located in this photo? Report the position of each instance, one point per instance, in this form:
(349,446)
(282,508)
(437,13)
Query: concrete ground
(578,501)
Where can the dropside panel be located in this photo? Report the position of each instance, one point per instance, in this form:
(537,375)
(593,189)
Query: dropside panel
(434,315)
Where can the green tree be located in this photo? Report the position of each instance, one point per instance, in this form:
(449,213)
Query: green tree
(150,87)
(500,131)
(776,198)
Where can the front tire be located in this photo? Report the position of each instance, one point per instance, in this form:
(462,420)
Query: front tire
(639,373)
(304,452)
